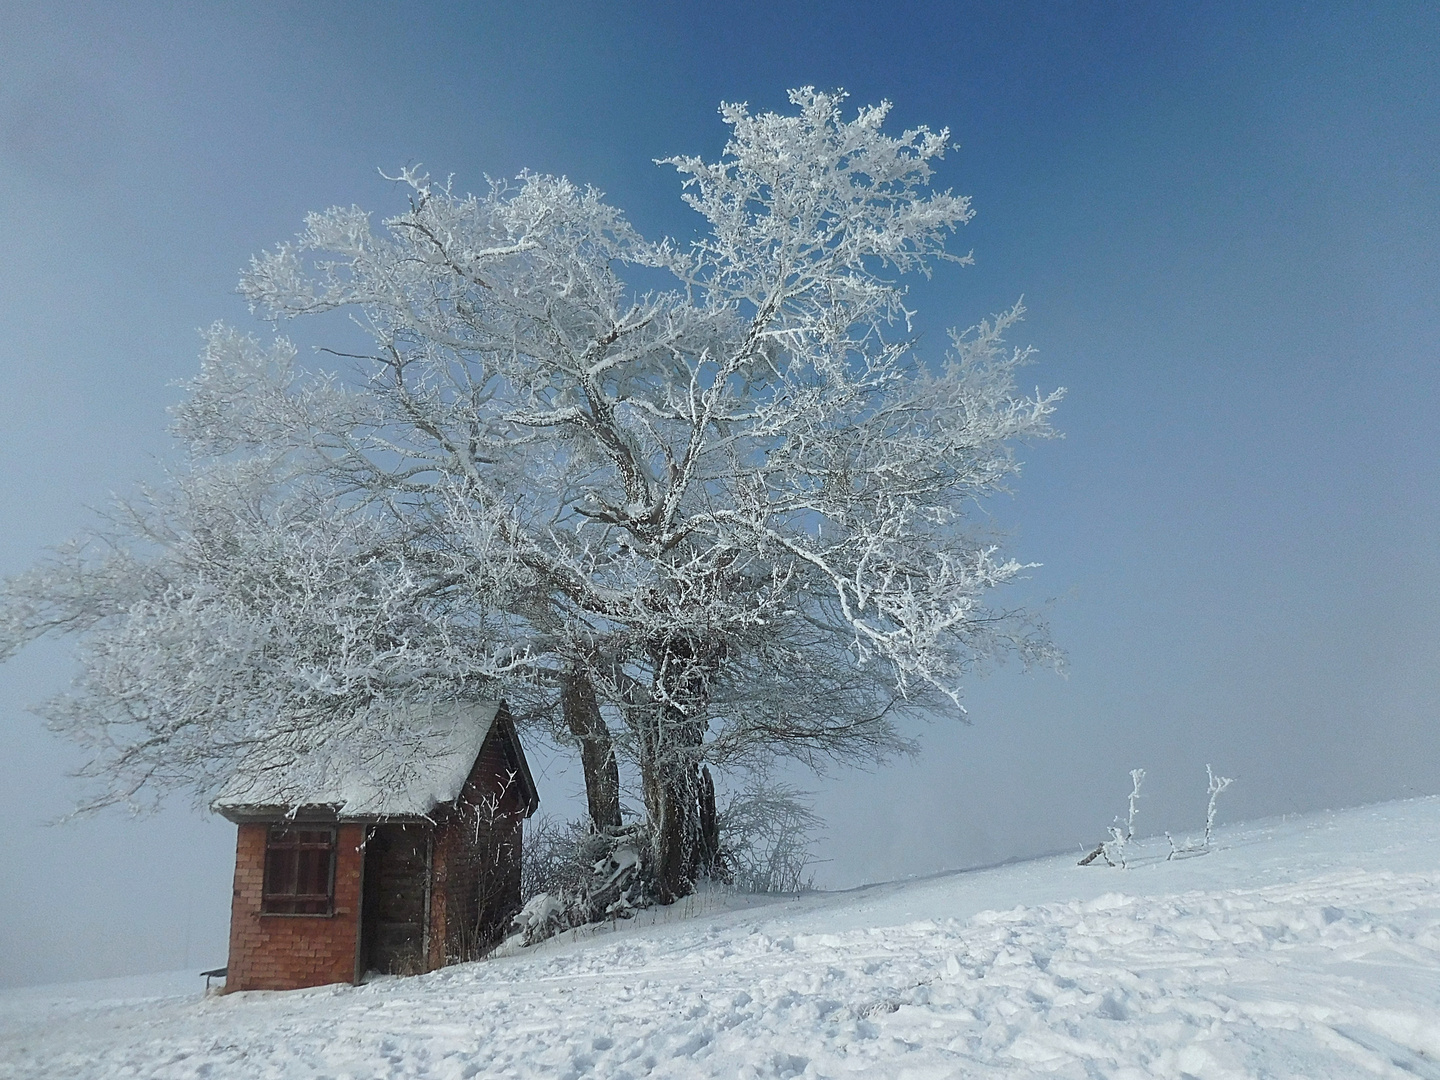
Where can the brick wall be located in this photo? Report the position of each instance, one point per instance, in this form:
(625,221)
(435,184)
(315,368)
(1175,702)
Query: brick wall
(477,859)
(285,952)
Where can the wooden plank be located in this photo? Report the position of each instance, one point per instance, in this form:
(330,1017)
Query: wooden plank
(397,872)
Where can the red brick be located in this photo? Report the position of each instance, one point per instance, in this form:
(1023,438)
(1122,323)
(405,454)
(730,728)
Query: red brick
(278,952)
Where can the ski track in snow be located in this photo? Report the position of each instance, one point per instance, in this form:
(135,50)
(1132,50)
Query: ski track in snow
(1307,949)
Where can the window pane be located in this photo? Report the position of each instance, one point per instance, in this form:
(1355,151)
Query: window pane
(311,875)
(280,872)
(298,871)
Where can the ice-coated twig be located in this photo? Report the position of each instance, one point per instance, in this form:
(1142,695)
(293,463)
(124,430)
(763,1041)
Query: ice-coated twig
(1113,849)
(1216,784)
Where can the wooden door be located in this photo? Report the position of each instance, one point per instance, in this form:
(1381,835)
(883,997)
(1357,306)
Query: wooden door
(395,911)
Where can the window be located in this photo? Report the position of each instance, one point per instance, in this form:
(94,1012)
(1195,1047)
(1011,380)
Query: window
(299,871)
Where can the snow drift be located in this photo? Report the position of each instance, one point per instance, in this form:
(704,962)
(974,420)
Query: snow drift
(1304,948)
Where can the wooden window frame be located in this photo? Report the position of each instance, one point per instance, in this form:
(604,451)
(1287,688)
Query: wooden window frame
(286,847)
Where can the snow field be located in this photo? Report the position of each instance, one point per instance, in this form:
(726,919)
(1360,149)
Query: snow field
(1307,949)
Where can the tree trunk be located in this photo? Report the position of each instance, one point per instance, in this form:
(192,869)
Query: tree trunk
(708,848)
(671,746)
(670,779)
(597,752)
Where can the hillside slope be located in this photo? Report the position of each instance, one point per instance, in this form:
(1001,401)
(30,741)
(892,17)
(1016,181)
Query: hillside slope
(1306,948)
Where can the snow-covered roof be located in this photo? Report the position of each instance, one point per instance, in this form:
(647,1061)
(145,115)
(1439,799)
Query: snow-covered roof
(390,761)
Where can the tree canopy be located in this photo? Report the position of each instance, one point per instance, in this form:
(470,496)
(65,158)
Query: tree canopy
(726,518)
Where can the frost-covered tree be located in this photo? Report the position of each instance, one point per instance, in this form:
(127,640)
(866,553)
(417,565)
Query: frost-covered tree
(234,603)
(730,517)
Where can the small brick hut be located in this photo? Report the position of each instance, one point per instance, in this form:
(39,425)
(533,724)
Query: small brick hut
(391,846)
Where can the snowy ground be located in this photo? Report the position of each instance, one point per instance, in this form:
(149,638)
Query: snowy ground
(1308,948)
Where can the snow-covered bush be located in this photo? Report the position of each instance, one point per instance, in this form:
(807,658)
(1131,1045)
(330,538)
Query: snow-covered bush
(767,837)
(551,861)
(572,874)
(544,915)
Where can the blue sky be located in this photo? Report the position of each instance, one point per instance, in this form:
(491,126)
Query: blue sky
(1224,221)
